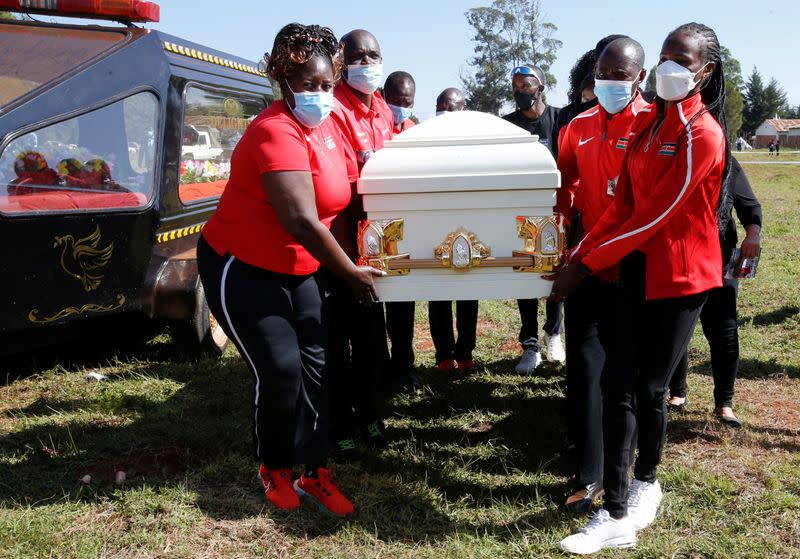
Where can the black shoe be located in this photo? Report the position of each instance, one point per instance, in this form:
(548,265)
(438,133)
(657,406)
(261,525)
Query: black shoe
(344,450)
(678,407)
(412,381)
(583,497)
(374,434)
(728,419)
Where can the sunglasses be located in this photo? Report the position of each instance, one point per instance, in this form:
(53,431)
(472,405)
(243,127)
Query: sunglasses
(525,71)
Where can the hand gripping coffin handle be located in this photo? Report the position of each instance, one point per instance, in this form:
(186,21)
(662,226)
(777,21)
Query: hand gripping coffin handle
(544,239)
(377,245)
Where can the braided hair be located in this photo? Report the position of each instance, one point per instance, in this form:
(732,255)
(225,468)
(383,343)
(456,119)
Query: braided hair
(295,45)
(712,93)
(583,68)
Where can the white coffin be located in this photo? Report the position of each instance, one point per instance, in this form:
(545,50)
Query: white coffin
(466,171)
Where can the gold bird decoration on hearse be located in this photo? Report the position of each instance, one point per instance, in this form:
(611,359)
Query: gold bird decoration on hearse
(83,260)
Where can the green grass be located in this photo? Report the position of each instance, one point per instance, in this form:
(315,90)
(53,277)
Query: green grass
(472,469)
(763,155)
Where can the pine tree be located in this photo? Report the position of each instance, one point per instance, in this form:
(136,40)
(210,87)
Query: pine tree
(755,109)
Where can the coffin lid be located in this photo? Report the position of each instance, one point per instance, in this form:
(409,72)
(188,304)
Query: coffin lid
(460,152)
(462,128)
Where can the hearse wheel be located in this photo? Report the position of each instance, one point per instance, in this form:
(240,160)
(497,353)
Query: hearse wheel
(203,334)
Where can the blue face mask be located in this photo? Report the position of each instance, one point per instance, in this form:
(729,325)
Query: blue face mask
(399,113)
(365,78)
(613,95)
(311,108)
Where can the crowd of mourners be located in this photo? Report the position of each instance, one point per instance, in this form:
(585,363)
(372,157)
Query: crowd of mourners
(648,190)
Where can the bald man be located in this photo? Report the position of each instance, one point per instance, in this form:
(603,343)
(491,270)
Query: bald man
(592,148)
(536,117)
(399,92)
(450,100)
(357,349)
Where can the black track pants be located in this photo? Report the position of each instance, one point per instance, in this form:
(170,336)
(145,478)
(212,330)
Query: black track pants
(278,324)
(719,320)
(400,327)
(356,357)
(440,317)
(657,334)
(593,341)
(529,317)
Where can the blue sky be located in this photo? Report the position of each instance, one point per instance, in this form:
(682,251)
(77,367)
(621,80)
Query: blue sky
(431,39)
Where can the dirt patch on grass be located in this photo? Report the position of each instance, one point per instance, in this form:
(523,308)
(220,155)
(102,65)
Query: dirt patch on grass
(771,433)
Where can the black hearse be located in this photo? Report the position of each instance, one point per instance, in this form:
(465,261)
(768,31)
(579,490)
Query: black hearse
(115,145)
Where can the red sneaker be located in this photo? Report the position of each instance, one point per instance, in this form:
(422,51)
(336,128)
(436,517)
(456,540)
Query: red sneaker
(324,492)
(465,365)
(447,365)
(278,488)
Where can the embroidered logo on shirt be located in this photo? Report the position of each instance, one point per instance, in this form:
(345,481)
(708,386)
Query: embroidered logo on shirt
(329,142)
(582,141)
(668,148)
(622,143)
(611,186)
(544,141)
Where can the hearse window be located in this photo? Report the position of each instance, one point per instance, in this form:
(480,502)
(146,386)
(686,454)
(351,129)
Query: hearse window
(102,159)
(31,56)
(213,123)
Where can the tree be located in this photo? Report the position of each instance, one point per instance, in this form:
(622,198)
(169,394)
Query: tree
(6,15)
(755,109)
(775,99)
(650,84)
(506,34)
(731,68)
(734,109)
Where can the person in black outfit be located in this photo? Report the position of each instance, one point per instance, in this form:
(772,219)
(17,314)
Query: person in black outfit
(718,316)
(453,355)
(538,118)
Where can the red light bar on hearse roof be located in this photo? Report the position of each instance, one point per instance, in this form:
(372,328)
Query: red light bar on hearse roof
(125,10)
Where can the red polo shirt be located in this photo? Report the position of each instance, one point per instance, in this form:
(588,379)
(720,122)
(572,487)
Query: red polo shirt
(366,129)
(666,202)
(403,126)
(245,224)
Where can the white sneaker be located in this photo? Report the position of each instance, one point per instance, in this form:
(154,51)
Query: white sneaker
(643,501)
(528,362)
(555,350)
(601,532)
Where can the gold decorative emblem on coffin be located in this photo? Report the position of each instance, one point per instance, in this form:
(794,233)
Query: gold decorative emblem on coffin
(544,241)
(543,249)
(461,250)
(377,244)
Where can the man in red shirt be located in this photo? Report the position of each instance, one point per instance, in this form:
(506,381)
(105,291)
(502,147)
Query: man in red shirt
(591,149)
(358,350)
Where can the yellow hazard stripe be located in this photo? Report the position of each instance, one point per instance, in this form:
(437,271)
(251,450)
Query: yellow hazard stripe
(179,233)
(211,59)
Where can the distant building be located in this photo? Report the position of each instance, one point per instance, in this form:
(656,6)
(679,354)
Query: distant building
(785,130)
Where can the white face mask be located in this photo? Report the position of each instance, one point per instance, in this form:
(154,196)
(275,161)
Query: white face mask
(673,81)
(365,78)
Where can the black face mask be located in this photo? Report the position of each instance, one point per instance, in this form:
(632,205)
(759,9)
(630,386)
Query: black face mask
(525,100)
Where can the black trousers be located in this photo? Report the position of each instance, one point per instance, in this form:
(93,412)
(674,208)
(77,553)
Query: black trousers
(357,355)
(400,327)
(594,359)
(529,316)
(720,327)
(656,334)
(278,323)
(440,317)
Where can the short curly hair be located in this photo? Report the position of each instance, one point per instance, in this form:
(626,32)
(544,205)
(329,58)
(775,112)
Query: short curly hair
(296,44)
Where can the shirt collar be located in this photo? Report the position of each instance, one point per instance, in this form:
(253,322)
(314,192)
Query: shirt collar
(349,98)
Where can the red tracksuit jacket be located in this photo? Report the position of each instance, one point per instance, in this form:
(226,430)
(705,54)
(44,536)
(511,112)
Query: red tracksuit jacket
(591,149)
(665,203)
